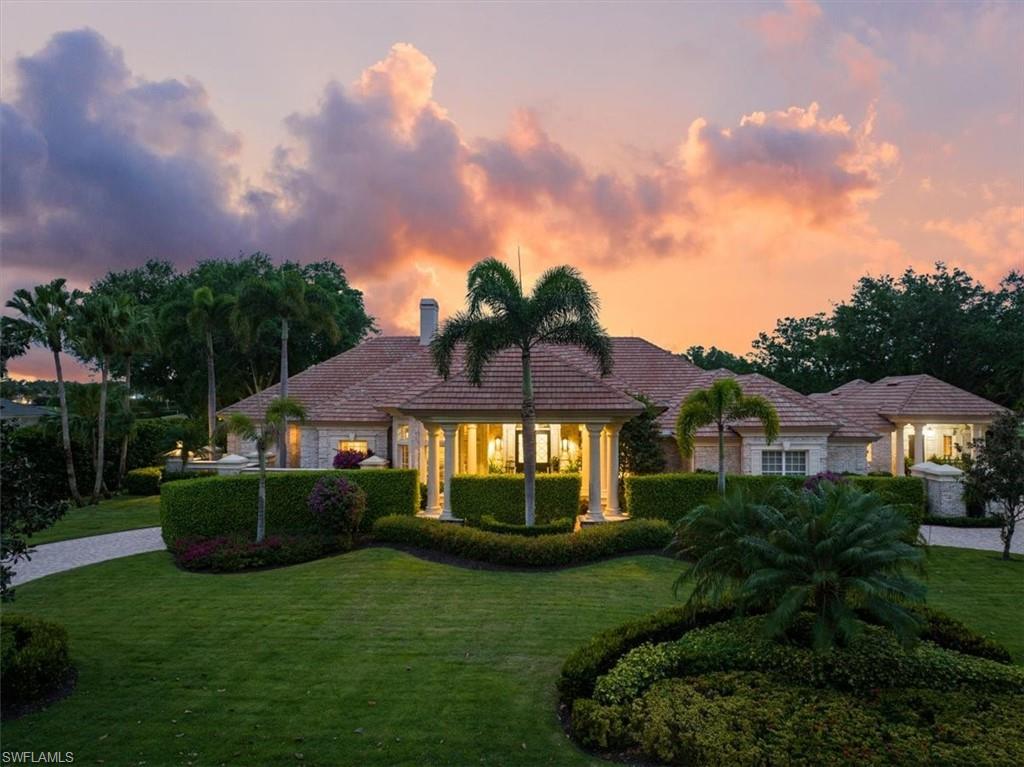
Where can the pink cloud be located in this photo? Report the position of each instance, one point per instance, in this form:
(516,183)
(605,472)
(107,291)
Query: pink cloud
(995,236)
(790,26)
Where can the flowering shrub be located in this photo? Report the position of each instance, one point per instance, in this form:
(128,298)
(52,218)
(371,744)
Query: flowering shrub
(349,459)
(337,505)
(811,483)
(226,554)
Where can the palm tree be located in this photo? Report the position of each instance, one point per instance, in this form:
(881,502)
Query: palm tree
(721,404)
(207,313)
(138,337)
(834,551)
(265,434)
(288,298)
(100,329)
(561,310)
(47,310)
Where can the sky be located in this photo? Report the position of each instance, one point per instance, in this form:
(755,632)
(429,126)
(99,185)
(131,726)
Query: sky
(709,167)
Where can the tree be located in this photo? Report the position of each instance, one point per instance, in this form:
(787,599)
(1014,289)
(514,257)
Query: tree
(715,358)
(721,404)
(48,310)
(833,551)
(286,298)
(561,310)
(265,434)
(996,475)
(15,338)
(99,333)
(640,441)
(209,312)
(137,337)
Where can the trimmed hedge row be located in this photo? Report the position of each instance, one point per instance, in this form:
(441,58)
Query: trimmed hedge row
(143,481)
(35,659)
(491,525)
(502,496)
(226,506)
(671,496)
(588,544)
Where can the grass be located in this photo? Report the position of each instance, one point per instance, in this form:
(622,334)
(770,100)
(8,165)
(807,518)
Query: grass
(125,512)
(370,658)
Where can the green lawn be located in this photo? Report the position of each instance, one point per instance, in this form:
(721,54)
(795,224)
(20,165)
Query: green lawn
(124,512)
(370,658)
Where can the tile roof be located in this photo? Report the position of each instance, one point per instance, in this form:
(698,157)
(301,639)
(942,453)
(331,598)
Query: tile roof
(894,398)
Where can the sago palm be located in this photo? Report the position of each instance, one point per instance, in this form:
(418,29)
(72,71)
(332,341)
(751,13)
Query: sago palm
(562,309)
(47,313)
(721,404)
(264,434)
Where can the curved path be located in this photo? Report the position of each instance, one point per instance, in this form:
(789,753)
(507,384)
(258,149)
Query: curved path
(66,555)
(983,538)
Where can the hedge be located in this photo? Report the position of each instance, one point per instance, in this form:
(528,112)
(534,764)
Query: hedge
(35,659)
(671,496)
(226,506)
(588,544)
(491,525)
(502,496)
(143,481)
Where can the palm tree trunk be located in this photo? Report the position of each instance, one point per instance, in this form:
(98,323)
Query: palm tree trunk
(282,440)
(529,441)
(721,458)
(211,388)
(261,503)
(65,431)
(122,468)
(101,428)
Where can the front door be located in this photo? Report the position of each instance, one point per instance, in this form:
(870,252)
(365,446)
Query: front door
(543,450)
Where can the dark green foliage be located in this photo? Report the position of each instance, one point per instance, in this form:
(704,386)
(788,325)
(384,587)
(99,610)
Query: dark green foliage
(587,545)
(996,475)
(989,522)
(951,634)
(672,496)
(230,554)
(714,358)
(502,496)
(143,481)
(596,726)
(35,659)
(640,441)
(226,506)
(491,525)
(151,438)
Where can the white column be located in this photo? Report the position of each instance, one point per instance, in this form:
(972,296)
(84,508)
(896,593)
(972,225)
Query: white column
(594,512)
(471,457)
(584,462)
(919,455)
(977,433)
(613,468)
(604,467)
(433,497)
(898,459)
(451,433)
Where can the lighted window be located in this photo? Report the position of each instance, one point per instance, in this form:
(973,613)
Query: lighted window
(403,432)
(788,462)
(358,445)
(870,453)
(947,446)
(403,456)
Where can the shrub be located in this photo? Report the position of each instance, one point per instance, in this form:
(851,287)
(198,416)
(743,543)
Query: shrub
(177,476)
(948,632)
(967,521)
(337,505)
(349,459)
(491,525)
(811,483)
(228,554)
(502,497)
(143,481)
(588,544)
(35,659)
(226,506)
(600,727)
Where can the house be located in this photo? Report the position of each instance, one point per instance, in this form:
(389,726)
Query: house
(21,414)
(918,416)
(385,396)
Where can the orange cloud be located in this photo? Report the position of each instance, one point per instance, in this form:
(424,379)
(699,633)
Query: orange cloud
(996,236)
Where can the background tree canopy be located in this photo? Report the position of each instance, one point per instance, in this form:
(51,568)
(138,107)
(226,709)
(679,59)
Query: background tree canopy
(944,323)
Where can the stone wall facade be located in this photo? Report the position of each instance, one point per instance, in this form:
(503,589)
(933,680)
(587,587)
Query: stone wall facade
(850,457)
(705,456)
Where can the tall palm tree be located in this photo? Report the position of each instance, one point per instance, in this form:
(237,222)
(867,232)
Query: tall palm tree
(47,310)
(721,404)
(288,298)
(100,327)
(265,434)
(561,310)
(138,337)
(207,313)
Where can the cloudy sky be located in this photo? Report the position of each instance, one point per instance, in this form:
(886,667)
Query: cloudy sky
(710,167)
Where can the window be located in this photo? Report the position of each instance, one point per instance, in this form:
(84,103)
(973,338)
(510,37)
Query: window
(403,456)
(788,462)
(403,432)
(358,445)
(947,446)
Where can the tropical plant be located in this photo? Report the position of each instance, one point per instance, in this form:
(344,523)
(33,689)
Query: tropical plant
(264,434)
(208,312)
(721,404)
(285,297)
(15,338)
(561,310)
(99,331)
(47,311)
(996,474)
(137,337)
(834,551)
(640,441)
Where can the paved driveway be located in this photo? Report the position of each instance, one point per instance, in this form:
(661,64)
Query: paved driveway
(66,555)
(985,538)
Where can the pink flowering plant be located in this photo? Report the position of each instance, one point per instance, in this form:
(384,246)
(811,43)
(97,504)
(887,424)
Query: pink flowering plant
(337,505)
(231,554)
(349,459)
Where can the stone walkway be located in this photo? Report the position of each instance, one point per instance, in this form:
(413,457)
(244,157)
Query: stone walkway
(53,558)
(984,538)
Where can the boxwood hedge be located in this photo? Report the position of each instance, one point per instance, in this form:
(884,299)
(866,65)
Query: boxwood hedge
(35,659)
(502,497)
(671,496)
(226,506)
(143,481)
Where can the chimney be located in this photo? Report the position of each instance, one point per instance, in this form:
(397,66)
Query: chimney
(428,320)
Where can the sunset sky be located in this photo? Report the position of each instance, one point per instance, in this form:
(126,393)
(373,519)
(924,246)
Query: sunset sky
(709,167)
